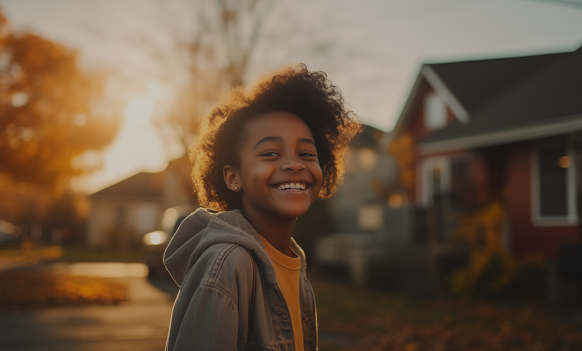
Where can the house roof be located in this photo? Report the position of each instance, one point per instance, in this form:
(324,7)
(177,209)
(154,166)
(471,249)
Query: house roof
(369,137)
(475,83)
(511,98)
(141,185)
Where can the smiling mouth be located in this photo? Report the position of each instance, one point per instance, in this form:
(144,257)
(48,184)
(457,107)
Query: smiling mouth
(291,186)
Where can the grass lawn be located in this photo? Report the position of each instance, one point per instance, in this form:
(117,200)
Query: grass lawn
(386,321)
(26,289)
(29,290)
(82,254)
(68,254)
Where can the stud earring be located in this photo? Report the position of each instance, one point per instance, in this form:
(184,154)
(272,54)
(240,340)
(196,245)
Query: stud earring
(236,187)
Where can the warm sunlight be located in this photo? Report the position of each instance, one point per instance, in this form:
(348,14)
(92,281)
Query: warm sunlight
(139,111)
(138,145)
(441,206)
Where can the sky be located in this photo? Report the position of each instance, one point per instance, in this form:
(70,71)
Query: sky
(371,49)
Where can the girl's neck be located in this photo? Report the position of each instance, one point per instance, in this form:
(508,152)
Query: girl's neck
(277,230)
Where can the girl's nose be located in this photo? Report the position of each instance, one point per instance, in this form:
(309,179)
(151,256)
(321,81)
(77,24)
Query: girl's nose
(293,165)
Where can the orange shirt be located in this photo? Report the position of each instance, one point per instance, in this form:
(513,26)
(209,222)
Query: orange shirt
(287,270)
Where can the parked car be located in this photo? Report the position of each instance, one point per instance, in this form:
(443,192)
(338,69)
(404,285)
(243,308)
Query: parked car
(155,243)
(9,233)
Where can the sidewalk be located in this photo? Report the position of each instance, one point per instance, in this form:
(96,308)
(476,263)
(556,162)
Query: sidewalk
(140,324)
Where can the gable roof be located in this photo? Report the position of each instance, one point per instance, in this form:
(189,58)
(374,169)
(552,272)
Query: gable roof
(506,99)
(141,185)
(475,83)
(547,102)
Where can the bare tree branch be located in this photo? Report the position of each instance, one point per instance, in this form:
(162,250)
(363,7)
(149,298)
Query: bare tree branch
(218,53)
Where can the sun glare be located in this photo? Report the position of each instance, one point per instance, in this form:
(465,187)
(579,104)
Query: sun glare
(139,111)
(138,146)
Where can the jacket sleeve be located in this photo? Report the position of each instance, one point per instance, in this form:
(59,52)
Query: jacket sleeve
(212,309)
(210,322)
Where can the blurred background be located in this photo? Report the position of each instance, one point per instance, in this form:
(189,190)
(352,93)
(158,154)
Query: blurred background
(456,227)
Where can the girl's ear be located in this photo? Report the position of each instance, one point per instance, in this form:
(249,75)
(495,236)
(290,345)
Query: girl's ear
(231,178)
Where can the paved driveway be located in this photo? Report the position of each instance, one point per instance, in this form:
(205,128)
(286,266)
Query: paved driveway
(140,324)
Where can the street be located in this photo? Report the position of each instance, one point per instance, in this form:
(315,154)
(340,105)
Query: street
(139,324)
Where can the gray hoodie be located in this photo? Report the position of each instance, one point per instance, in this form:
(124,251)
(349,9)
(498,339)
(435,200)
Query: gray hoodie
(209,257)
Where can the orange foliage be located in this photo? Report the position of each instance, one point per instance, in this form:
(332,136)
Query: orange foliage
(402,148)
(25,290)
(490,267)
(51,111)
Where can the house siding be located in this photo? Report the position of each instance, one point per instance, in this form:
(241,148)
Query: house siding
(526,238)
(419,128)
(121,222)
(418,131)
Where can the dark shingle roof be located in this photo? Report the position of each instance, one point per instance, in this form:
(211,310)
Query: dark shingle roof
(145,185)
(369,137)
(474,83)
(539,89)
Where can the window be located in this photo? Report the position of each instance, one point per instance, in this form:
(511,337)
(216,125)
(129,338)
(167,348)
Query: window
(553,183)
(435,112)
(554,189)
(436,180)
(370,217)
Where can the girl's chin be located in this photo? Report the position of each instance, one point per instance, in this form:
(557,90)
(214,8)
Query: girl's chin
(293,212)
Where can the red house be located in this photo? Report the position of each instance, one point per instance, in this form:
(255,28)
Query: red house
(506,130)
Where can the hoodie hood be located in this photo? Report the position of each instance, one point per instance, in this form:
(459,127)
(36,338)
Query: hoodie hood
(204,228)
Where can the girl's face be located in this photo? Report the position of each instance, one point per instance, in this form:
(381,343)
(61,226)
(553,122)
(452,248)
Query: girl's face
(279,169)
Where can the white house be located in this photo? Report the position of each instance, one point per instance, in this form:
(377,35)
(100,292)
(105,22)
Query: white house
(123,212)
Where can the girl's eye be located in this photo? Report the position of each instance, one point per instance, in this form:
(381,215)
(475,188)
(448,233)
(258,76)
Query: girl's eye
(270,153)
(307,154)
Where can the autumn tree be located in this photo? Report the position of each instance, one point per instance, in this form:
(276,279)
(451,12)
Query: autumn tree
(51,112)
(402,148)
(218,53)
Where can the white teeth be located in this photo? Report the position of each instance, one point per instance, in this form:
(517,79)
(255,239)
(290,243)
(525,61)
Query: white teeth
(292,186)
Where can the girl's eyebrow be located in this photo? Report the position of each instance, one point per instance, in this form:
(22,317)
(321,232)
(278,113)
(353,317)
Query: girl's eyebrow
(278,138)
(269,138)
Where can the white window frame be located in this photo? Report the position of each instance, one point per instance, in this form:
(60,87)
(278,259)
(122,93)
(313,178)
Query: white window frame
(571,218)
(429,110)
(427,165)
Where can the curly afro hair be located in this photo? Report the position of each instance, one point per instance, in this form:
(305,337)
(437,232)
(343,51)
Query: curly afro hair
(308,95)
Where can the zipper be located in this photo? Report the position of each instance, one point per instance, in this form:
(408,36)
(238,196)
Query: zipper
(289,314)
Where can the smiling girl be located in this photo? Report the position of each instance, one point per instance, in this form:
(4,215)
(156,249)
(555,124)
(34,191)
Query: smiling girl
(261,158)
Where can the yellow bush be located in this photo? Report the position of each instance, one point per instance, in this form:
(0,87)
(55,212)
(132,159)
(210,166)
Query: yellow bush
(402,148)
(491,268)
